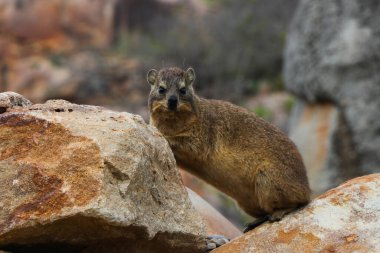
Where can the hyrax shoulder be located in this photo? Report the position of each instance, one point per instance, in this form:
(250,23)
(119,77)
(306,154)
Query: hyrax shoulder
(228,146)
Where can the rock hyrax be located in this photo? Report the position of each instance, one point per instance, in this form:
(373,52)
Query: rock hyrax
(229,147)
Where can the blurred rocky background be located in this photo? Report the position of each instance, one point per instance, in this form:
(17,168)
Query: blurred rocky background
(332,64)
(98,52)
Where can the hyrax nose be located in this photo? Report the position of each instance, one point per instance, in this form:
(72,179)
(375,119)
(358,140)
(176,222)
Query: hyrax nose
(172,102)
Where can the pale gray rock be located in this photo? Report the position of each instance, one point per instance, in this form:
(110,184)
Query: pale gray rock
(333,54)
(11,99)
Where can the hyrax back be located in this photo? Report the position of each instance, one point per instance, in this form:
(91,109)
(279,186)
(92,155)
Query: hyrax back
(242,155)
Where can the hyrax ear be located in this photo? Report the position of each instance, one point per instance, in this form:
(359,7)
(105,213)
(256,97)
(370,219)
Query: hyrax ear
(190,76)
(151,76)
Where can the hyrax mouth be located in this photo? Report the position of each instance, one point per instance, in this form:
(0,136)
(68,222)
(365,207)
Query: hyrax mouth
(164,107)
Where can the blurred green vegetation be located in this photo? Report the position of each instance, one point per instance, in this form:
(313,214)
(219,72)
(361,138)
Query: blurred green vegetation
(289,104)
(56,59)
(263,112)
(234,44)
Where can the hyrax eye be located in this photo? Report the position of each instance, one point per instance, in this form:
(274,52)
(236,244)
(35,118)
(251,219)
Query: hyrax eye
(161,90)
(182,91)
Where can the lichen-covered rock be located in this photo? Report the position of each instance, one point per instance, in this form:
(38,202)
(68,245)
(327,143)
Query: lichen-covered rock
(332,54)
(344,219)
(87,176)
(11,99)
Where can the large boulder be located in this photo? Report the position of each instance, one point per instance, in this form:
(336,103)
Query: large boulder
(344,219)
(89,178)
(332,55)
(325,143)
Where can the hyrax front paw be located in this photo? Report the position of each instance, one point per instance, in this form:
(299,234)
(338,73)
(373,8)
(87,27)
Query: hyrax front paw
(214,241)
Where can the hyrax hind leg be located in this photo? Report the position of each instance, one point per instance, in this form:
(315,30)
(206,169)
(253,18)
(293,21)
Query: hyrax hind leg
(278,192)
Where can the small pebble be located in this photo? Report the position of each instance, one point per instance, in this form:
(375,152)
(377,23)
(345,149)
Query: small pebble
(211,246)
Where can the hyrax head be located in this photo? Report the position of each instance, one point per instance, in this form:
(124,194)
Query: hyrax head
(171,89)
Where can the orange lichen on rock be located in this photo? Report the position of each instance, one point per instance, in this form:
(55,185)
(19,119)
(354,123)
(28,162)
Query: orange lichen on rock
(344,219)
(286,237)
(53,172)
(351,238)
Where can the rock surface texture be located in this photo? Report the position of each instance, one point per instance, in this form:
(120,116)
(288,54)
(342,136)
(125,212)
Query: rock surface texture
(9,100)
(344,219)
(92,179)
(324,142)
(332,55)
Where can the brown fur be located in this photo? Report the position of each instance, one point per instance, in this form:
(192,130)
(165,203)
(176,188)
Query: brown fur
(229,147)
